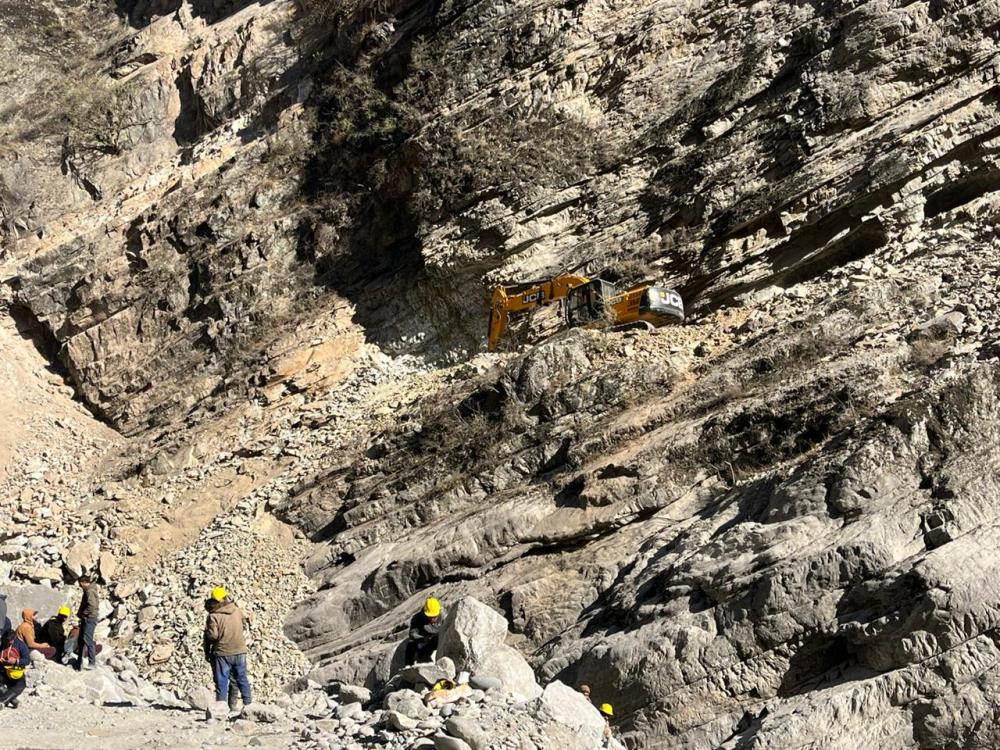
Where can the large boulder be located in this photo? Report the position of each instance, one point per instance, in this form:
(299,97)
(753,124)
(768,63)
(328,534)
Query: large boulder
(470,632)
(40,598)
(98,686)
(512,669)
(82,557)
(564,705)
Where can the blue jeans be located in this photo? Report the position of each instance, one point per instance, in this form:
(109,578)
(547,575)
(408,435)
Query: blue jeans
(236,666)
(86,640)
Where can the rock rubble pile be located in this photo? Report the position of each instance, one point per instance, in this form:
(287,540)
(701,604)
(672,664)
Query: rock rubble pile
(479,694)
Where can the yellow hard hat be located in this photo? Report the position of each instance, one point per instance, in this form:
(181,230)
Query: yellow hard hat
(64,611)
(607,710)
(218,593)
(432,607)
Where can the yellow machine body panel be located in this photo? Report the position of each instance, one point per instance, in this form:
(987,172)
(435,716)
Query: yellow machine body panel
(590,303)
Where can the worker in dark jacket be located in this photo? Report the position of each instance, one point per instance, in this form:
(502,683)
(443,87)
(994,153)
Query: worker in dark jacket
(225,643)
(14,659)
(88,613)
(423,636)
(55,632)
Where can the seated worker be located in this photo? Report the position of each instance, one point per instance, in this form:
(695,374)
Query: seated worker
(422,639)
(55,632)
(27,631)
(14,658)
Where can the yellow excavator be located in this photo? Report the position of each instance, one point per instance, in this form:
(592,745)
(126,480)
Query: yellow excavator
(588,303)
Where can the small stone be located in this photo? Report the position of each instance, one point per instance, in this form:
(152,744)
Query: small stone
(466,729)
(485,682)
(444,742)
(408,703)
(400,722)
(261,713)
(349,711)
(355,694)
(217,711)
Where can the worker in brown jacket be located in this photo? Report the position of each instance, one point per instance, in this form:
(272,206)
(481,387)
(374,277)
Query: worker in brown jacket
(26,631)
(226,646)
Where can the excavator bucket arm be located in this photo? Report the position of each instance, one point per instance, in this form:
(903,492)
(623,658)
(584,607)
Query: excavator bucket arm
(520,298)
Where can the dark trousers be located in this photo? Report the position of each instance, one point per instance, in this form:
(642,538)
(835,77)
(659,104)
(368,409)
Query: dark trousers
(233,667)
(13,689)
(86,641)
(420,651)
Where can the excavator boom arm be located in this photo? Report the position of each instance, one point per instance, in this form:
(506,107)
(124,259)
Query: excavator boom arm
(511,300)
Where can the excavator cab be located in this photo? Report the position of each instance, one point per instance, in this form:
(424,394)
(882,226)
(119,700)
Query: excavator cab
(588,303)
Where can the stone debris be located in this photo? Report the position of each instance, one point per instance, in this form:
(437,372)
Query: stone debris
(245,257)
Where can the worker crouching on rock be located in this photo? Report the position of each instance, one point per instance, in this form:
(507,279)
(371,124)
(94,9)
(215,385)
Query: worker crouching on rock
(27,630)
(14,659)
(423,636)
(55,632)
(226,646)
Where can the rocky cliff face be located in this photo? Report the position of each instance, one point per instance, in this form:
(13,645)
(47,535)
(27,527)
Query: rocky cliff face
(255,239)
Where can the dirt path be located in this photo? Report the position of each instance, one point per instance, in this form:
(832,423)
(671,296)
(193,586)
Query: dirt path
(55,723)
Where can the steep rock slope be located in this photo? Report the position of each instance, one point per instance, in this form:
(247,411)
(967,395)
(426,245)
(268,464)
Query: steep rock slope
(770,528)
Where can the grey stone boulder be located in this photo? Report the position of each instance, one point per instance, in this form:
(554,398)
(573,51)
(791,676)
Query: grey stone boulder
(485,682)
(399,721)
(444,742)
(939,328)
(262,713)
(467,730)
(17,597)
(82,557)
(200,698)
(470,631)
(571,708)
(423,674)
(355,694)
(513,670)
(447,666)
(217,711)
(97,686)
(408,703)
(349,711)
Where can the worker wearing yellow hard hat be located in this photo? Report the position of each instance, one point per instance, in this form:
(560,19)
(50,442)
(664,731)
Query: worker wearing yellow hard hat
(225,648)
(55,631)
(422,638)
(608,713)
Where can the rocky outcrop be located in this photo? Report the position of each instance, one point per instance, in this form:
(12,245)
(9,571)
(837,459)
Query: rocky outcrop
(265,264)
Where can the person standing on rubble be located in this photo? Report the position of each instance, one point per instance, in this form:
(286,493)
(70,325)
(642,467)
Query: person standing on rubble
(226,645)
